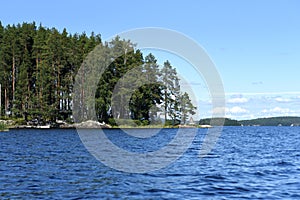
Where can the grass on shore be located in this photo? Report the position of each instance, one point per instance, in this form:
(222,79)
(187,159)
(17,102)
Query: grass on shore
(3,127)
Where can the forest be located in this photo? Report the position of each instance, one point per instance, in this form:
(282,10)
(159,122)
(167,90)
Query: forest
(270,121)
(38,68)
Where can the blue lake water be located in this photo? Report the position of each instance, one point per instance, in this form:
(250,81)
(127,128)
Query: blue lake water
(246,163)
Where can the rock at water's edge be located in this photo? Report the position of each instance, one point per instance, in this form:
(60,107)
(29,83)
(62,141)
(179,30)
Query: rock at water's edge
(90,124)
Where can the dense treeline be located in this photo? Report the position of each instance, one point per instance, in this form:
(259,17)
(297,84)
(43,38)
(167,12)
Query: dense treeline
(38,66)
(227,121)
(131,87)
(37,69)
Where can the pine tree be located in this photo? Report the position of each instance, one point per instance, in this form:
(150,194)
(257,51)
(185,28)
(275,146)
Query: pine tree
(186,107)
(12,60)
(144,102)
(24,77)
(5,69)
(38,67)
(2,68)
(40,75)
(124,59)
(171,91)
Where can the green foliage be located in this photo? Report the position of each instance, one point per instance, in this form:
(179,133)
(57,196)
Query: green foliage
(186,107)
(227,121)
(112,122)
(128,123)
(38,66)
(144,101)
(37,69)
(2,126)
(20,121)
(272,121)
(171,91)
(171,123)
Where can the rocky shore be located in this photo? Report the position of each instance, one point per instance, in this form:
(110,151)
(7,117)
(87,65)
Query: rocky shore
(59,124)
(7,122)
(86,124)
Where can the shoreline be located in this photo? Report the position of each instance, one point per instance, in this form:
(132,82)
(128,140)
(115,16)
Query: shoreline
(90,124)
(115,128)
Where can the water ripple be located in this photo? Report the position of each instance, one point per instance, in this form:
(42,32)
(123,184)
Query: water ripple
(247,163)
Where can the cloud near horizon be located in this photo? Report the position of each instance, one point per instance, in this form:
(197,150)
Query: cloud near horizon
(279,110)
(236,110)
(249,106)
(237,100)
(282,100)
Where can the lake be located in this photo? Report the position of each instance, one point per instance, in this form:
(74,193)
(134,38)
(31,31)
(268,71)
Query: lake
(246,163)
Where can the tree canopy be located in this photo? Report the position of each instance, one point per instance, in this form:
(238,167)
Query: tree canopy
(38,66)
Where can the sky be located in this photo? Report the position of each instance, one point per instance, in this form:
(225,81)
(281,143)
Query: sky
(254,44)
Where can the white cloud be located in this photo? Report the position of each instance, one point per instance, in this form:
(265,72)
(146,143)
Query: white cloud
(282,100)
(255,105)
(238,100)
(228,111)
(236,110)
(278,110)
(218,111)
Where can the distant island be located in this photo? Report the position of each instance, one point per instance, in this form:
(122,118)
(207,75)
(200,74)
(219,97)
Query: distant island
(270,121)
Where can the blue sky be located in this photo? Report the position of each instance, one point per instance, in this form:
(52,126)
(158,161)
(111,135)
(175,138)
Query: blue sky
(254,44)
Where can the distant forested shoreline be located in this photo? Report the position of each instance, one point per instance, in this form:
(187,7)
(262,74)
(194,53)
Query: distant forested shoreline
(270,121)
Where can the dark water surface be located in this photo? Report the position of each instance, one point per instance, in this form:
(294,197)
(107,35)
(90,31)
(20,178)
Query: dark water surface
(247,163)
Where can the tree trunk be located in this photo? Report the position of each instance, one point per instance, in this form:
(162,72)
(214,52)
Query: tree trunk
(5,101)
(166,106)
(13,79)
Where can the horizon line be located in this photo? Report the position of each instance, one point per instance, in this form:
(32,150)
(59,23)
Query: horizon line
(261,93)
(247,119)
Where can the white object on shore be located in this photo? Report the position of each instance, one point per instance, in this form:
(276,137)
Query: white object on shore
(205,126)
(43,127)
